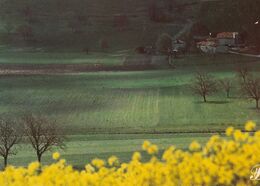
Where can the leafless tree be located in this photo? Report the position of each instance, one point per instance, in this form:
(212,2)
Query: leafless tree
(9,137)
(243,73)
(25,31)
(9,27)
(251,88)
(43,134)
(204,85)
(226,84)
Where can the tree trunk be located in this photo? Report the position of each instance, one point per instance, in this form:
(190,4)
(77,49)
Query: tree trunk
(257,103)
(204,98)
(39,157)
(5,161)
(228,93)
(170,60)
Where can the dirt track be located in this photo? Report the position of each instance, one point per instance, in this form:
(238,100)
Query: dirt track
(25,69)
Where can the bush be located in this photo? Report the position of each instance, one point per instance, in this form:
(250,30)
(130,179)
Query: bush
(164,43)
(222,161)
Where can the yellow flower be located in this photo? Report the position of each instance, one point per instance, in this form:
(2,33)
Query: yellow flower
(146,145)
(153,149)
(228,161)
(250,126)
(168,153)
(33,167)
(113,161)
(195,146)
(229,131)
(55,155)
(257,134)
(98,163)
(136,156)
(239,136)
(89,168)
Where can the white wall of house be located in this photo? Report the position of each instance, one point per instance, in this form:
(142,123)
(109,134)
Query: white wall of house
(226,41)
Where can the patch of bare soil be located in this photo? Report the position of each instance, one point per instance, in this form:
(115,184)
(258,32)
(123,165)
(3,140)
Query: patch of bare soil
(41,69)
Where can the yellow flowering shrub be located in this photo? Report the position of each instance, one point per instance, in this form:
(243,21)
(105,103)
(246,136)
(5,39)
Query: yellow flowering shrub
(221,161)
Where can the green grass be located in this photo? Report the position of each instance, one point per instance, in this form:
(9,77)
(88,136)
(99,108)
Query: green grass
(107,113)
(21,57)
(81,149)
(148,101)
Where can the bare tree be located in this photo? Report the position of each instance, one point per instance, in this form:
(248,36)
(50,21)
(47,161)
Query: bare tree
(43,134)
(9,137)
(243,73)
(25,31)
(252,89)
(226,84)
(204,85)
(9,27)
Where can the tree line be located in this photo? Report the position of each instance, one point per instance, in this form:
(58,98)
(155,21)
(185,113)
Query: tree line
(41,133)
(205,85)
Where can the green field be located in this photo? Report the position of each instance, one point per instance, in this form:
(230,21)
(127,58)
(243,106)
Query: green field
(106,113)
(11,56)
(80,149)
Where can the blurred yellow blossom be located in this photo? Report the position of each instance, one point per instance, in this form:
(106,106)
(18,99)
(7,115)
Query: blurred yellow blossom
(221,161)
(89,168)
(250,126)
(55,155)
(136,156)
(229,131)
(194,146)
(98,163)
(153,149)
(113,161)
(33,167)
(146,145)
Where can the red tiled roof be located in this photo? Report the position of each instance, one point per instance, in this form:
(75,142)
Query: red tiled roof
(226,35)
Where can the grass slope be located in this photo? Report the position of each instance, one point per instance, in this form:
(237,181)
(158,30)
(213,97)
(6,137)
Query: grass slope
(107,113)
(81,149)
(148,101)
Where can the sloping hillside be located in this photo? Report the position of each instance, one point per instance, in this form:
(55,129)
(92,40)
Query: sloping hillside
(82,24)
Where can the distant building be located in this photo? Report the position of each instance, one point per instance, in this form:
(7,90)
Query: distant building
(221,43)
(209,46)
(227,38)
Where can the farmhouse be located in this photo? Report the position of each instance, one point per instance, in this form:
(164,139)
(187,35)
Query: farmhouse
(208,46)
(227,38)
(221,43)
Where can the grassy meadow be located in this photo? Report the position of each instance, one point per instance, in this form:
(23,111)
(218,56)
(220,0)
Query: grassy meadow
(105,113)
(12,56)
(80,149)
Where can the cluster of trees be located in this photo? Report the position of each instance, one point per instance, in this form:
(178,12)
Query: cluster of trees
(205,85)
(42,133)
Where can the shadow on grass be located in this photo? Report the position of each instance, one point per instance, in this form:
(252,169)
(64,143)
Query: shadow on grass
(235,97)
(253,108)
(213,102)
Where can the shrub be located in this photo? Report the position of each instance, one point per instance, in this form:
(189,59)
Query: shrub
(221,161)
